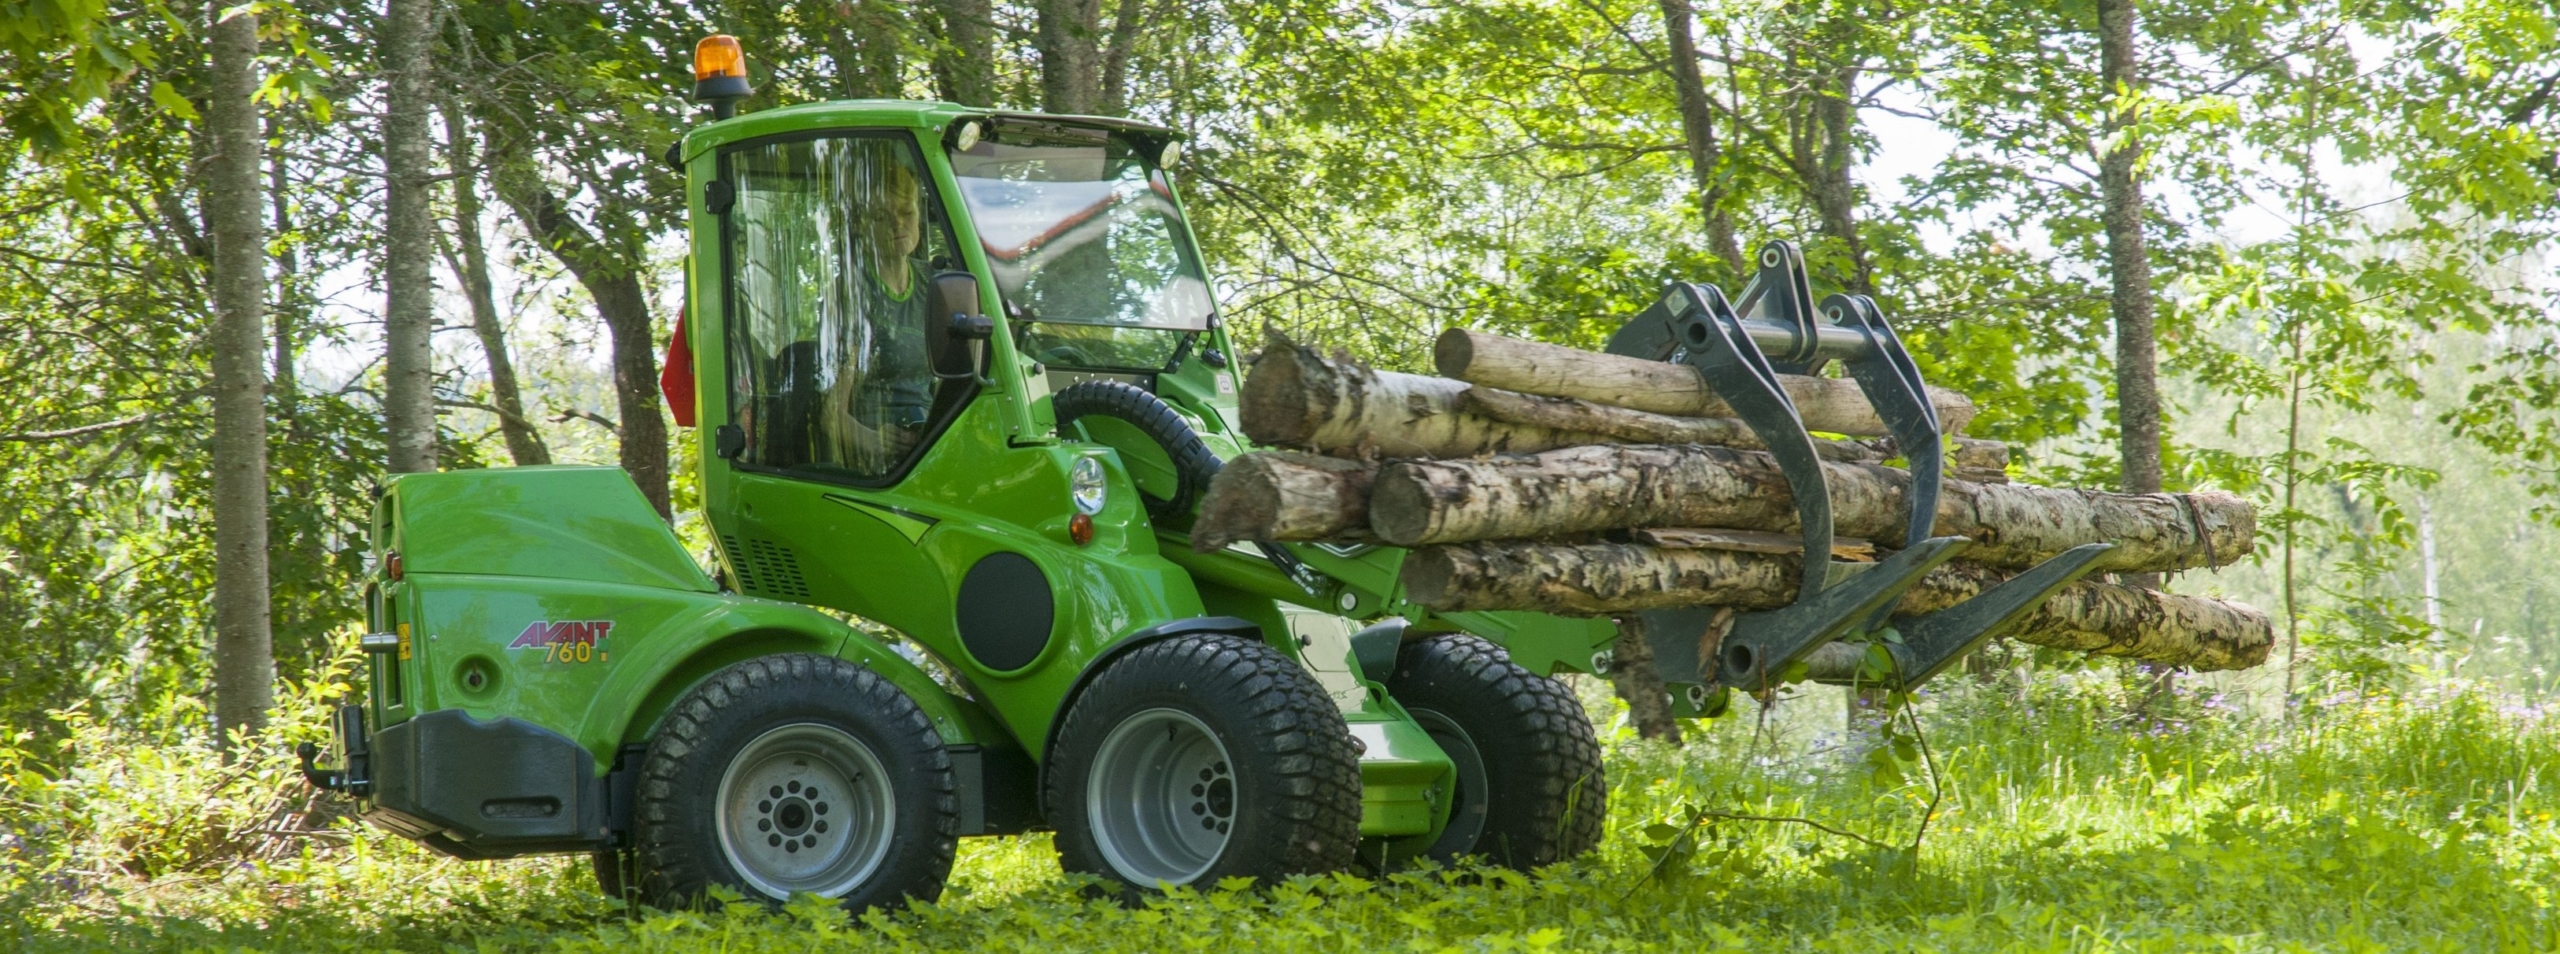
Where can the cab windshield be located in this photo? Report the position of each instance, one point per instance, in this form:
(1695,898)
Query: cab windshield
(1087,248)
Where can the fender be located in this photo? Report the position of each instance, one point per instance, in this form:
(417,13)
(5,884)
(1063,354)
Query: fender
(734,629)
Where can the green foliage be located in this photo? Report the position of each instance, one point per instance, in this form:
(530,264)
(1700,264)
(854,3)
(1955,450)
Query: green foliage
(2421,822)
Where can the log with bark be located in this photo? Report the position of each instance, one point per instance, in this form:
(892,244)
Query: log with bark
(1285,496)
(1296,397)
(1829,405)
(1967,458)
(1594,579)
(1603,487)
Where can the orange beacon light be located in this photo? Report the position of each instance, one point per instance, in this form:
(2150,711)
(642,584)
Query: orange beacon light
(720,73)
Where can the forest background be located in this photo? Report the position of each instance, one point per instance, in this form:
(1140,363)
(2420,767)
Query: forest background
(253,256)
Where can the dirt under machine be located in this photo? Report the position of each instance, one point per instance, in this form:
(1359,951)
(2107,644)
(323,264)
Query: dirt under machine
(960,380)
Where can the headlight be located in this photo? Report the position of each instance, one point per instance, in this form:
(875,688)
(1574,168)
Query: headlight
(1086,486)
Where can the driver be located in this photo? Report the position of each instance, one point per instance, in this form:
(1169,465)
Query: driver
(877,407)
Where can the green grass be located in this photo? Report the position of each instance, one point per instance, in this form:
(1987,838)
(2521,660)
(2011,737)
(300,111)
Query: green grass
(2398,823)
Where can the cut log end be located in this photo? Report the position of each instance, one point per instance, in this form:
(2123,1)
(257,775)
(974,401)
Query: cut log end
(1278,401)
(1453,351)
(1284,496)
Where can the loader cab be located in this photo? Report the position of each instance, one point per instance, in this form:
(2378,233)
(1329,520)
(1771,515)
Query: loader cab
(882,299)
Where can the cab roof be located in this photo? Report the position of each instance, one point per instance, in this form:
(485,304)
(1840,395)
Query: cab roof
(914,114)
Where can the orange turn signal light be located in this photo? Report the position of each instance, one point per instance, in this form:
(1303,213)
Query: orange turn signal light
(1080,529)
(719,55)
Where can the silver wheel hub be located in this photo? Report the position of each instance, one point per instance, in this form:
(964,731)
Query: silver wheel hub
(805,808)
(1161,797)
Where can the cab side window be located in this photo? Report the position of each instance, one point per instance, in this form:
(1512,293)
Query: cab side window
(832,242)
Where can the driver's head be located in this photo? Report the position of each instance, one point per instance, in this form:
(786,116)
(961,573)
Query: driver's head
(893,209)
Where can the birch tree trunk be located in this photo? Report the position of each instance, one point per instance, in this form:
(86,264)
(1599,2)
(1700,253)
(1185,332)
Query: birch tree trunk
(1828,405)
(408,361)
(232,195)
(1595,579)
(1604,487)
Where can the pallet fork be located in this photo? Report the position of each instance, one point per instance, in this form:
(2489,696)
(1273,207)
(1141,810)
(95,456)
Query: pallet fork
(1740,348)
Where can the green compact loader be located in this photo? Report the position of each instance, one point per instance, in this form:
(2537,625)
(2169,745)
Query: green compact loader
(959,372)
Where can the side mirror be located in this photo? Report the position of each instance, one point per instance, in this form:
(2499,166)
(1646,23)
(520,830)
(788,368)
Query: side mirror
(952,326)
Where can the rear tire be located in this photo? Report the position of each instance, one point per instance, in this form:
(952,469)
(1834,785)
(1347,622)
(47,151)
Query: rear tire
(1199,758)
(1530,790)
(796,773)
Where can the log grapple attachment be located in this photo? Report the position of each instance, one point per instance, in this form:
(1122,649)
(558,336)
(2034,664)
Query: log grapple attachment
(1740,345)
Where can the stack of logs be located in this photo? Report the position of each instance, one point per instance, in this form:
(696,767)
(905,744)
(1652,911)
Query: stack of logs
(1539,477)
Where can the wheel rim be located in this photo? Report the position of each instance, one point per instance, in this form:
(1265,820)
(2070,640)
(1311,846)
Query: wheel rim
(1162,797)
(1470,802)
(805,807)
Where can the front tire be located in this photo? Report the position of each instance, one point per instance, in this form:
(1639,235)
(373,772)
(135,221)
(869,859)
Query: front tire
(796,774)
(1199,758)
(1529,790)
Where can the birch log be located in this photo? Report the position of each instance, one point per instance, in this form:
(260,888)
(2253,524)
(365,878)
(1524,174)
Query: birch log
(1968,458)
(1831,405)
(1594,579)
(1281,496)
(1296,397)
(1602,487)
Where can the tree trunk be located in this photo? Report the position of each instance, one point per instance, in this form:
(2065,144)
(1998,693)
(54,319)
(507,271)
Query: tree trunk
(243,649)
(1698,130)
(524,441)
(1829,405)
(2128,262)
(1631,672)
(1823,117)
(1134,21)
(1295,396)
(1279,496)
(2138,424)
(1068,37)
(289,304)
(1593,579)
(1604,487)
(964,64)
(408,247)
(613,280)
(868,40)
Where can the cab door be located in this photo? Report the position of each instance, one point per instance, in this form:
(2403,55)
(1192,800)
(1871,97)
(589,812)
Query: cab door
(830,248)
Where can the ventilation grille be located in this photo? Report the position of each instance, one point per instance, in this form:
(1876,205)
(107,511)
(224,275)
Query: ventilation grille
(765,568)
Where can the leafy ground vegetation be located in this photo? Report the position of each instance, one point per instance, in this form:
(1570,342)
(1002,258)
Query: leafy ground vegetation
(2415,821)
